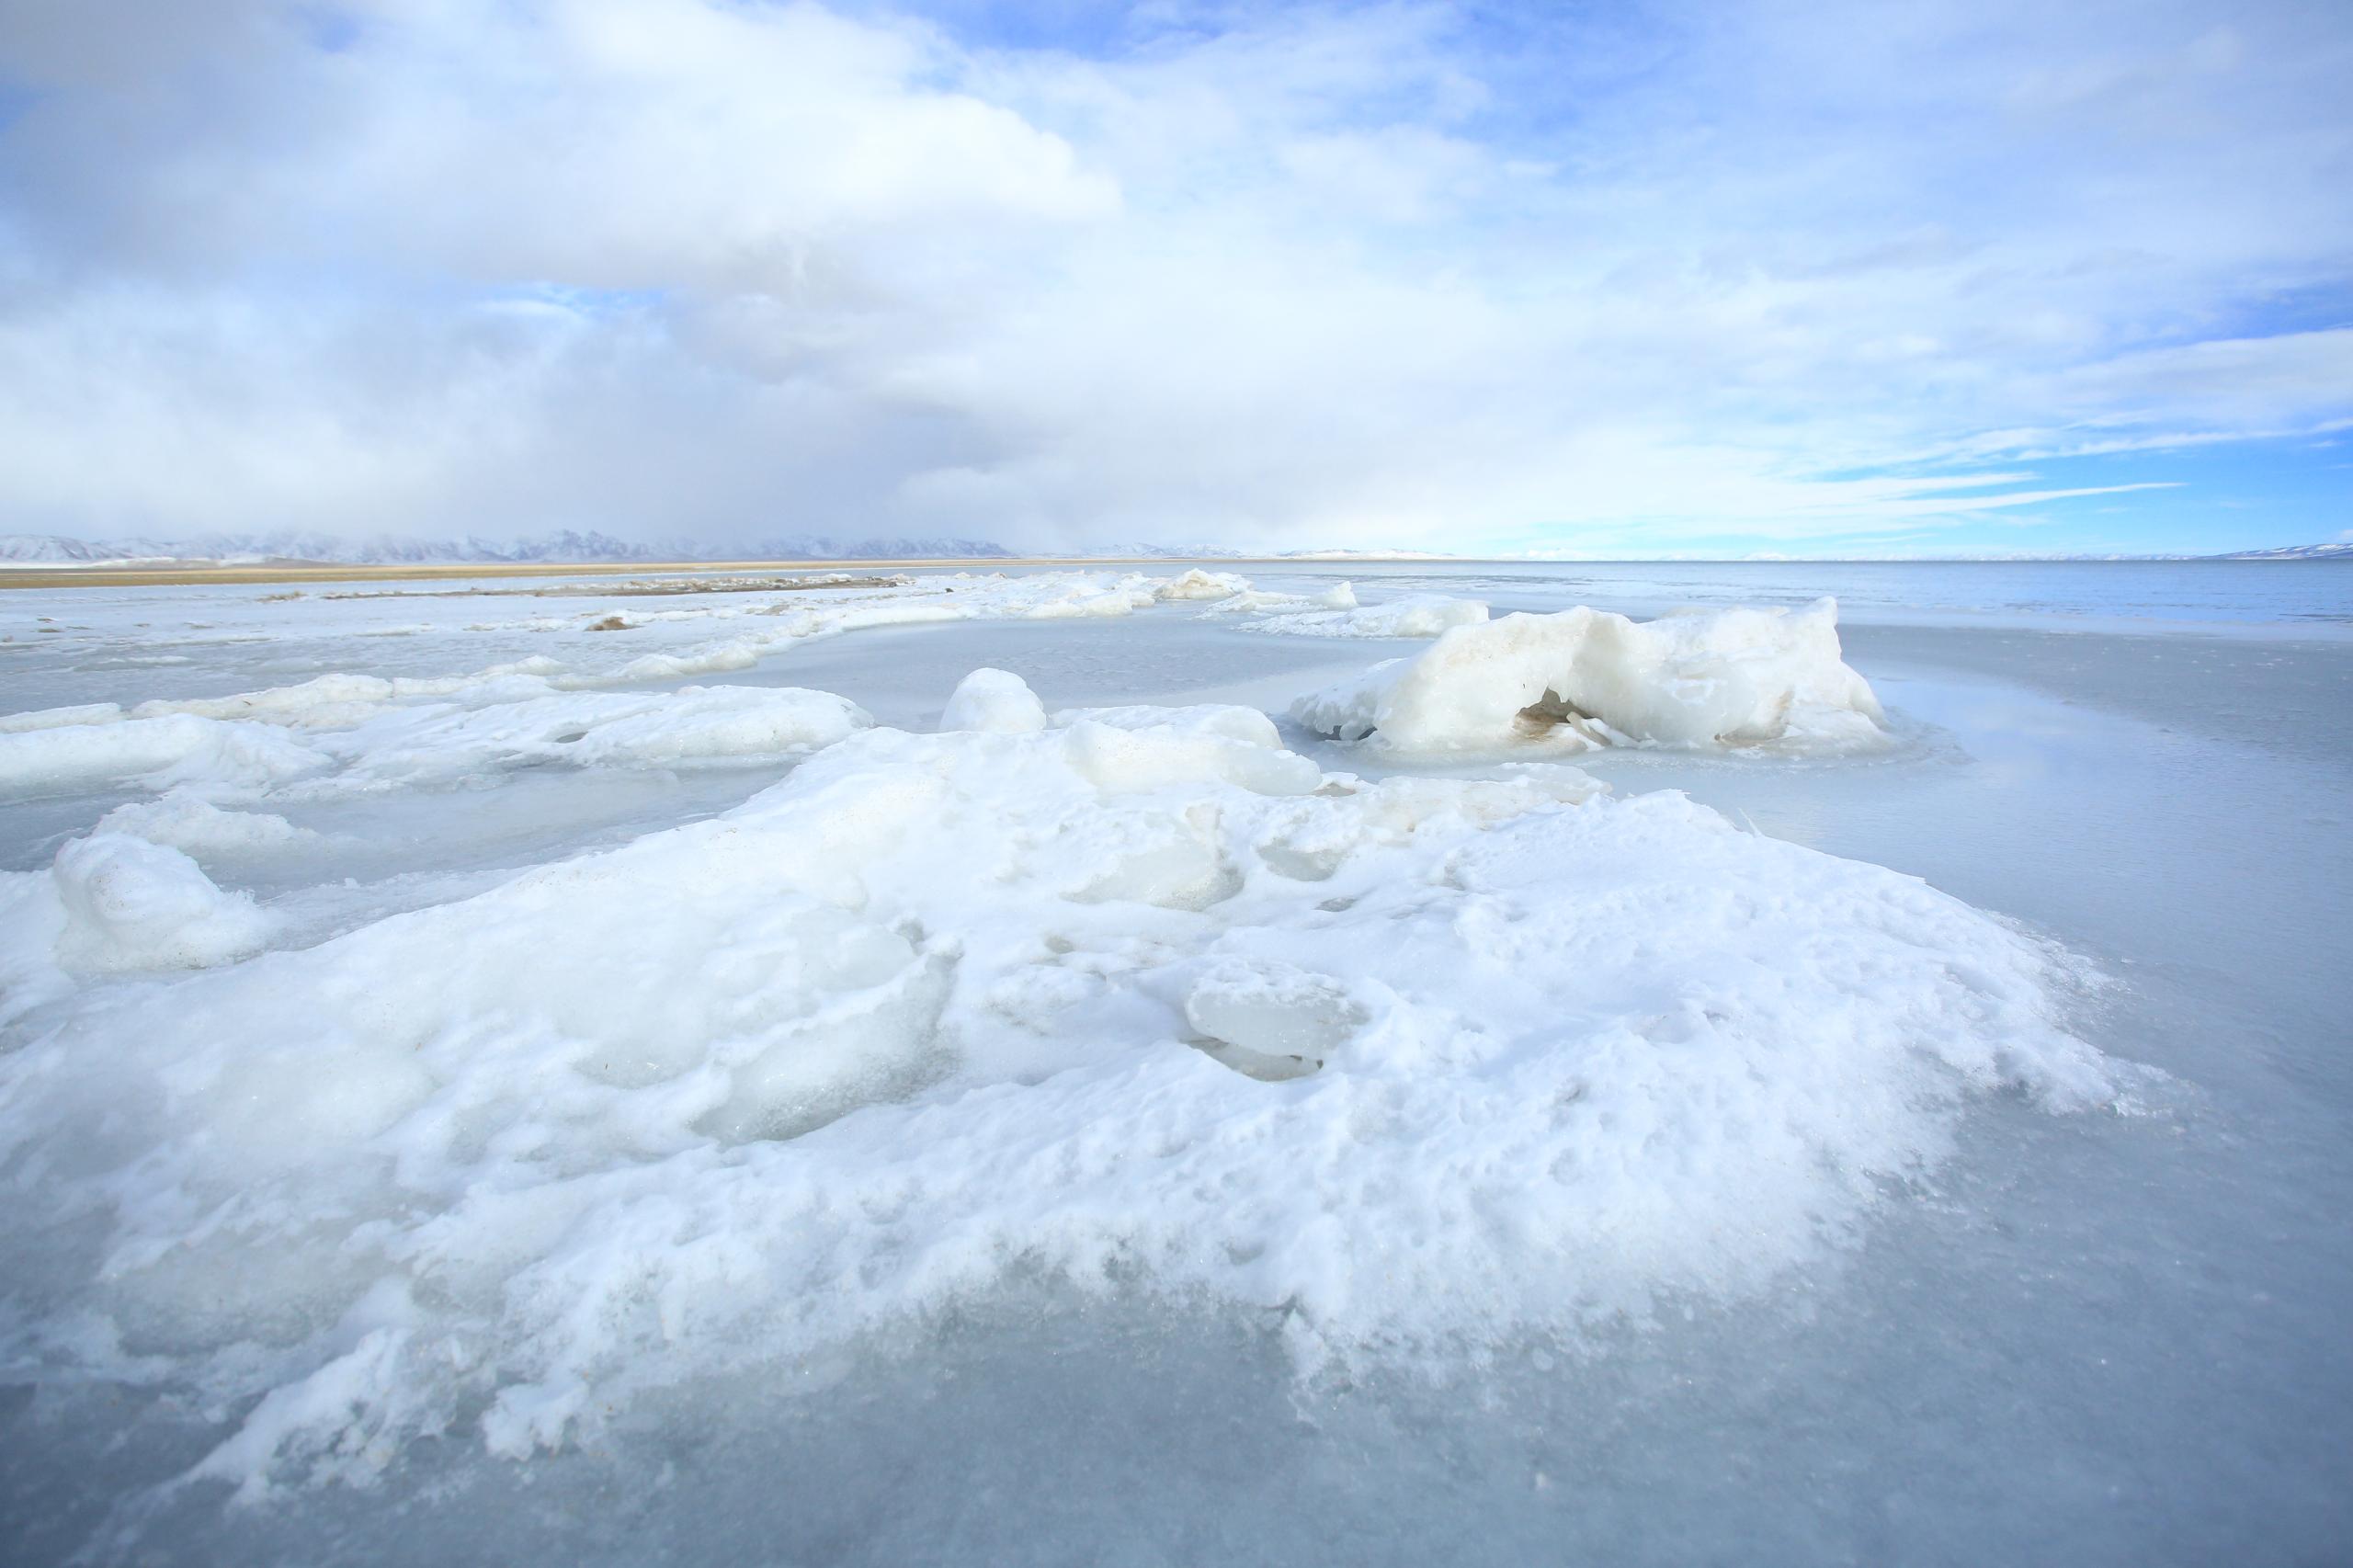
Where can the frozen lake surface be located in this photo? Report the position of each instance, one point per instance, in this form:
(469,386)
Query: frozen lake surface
(556,1111)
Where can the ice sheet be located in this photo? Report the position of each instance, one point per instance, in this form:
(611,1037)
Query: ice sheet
(1141,997)
(2106,1339)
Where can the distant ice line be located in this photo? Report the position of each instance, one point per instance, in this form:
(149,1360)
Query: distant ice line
(1743,676)
(344,732)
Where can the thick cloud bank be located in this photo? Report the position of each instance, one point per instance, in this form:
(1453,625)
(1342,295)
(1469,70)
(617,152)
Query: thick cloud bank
(1133,998)
(1742,276)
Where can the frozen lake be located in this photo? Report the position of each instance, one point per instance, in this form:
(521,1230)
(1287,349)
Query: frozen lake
(1669,1191)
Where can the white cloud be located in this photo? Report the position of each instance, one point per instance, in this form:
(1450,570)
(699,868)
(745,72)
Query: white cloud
(1354,275)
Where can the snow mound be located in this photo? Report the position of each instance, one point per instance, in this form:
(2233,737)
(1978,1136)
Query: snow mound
(1138,1000)
(1585,677)
(995,700)
(131,905)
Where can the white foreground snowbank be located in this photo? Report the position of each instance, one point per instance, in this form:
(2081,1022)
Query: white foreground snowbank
(1586,677)
(1138,1000)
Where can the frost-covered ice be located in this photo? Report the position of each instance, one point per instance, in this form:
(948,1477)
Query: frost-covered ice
(1412,1151)
(1585,677)
(1137,996)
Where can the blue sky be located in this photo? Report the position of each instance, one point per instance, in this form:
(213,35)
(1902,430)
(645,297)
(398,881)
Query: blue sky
(1755,277)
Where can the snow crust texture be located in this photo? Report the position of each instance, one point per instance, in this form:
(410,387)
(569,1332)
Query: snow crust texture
(1133,998)
(1585,677)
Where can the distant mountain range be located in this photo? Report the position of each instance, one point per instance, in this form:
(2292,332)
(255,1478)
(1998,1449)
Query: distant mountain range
(1152,552)
(2294,553)
(568,547)
(564,548)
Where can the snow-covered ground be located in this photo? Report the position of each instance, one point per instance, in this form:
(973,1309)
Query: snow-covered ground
(1032,1067)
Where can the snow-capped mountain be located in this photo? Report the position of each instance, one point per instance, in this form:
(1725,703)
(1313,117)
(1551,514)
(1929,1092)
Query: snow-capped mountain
(567,545)
(2339,551)
(1155,552)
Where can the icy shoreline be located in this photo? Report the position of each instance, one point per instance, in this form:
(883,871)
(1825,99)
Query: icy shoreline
(1132,1011)
(1129,995)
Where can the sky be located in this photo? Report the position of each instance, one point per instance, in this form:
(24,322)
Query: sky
(1742,277)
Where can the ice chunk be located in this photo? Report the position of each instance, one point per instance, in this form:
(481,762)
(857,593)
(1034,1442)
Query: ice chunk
(1271,1020)
(697,725)
(1420,615)
(1197,584)
(160,752)
(55,718)
(995,701)
(869,1036)
(187,821)
(1585,677)
(132,904)
(1336,613)
(436,743)
(1247,600)
(1124,758)
(1223,720)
